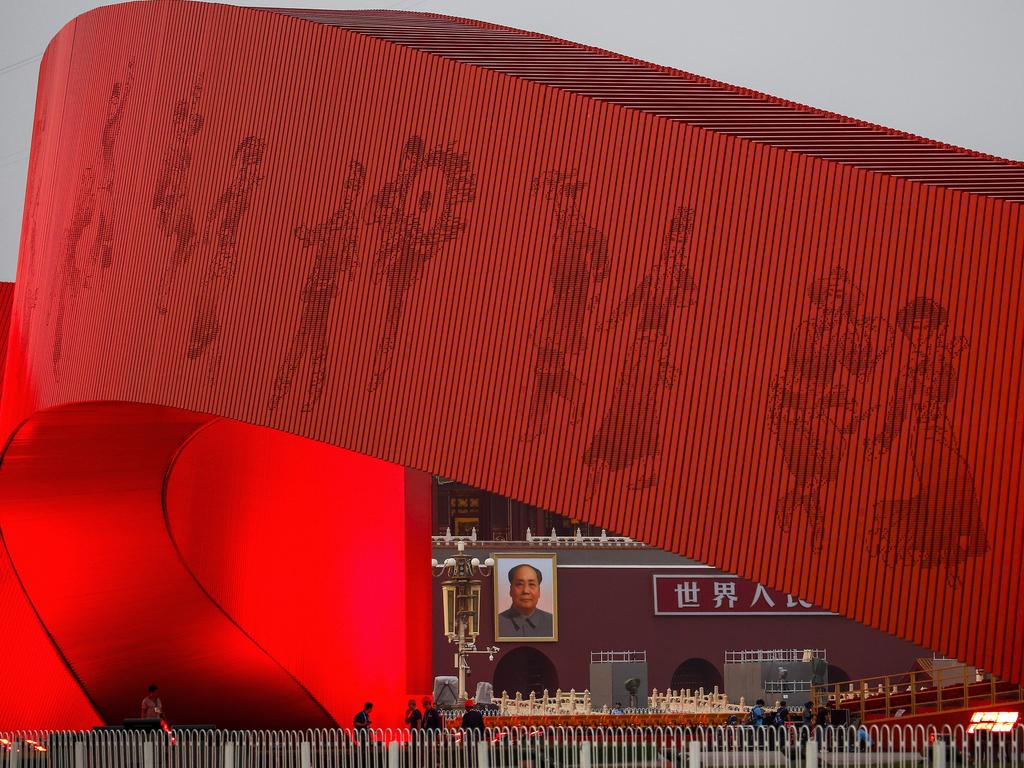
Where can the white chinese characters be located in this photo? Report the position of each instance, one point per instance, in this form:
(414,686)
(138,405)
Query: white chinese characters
(687,594)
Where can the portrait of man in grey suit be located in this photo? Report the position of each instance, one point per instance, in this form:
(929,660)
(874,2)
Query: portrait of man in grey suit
(524,618)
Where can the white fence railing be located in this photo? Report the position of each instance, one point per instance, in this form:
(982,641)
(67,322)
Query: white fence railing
(742,747)
(687,701)
(777,655)
(787,686)
(534,540)
(560,703)
(575,702)
(618,657)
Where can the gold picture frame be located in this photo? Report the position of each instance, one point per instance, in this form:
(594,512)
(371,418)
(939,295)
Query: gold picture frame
(541,624)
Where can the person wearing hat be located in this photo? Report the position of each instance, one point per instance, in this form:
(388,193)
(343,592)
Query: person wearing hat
(473,720)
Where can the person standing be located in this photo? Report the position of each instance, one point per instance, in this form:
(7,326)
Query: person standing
(628,437)
(432,719)
(579,262)
(757,713)
(812,408)
(361,722)
(413,716)
(431,726)
(221,239)
(941,525)
(473,720)
(757,722)
(782,714)
(152,707)
(808,715)
(336,245)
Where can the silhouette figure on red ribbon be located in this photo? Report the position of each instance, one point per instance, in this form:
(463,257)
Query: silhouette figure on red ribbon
(628,436)
(941,525)
(30,291)
(336,243)
(579,265)
(418,212)
(102,252)
(70,274)
(812,412)
(175,218)
(221,240)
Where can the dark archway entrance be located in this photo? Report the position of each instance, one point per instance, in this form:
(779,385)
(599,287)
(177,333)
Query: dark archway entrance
(525,670)
(694,674)
(836,675)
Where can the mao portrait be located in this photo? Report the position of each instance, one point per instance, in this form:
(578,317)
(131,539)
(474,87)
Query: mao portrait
(525,598)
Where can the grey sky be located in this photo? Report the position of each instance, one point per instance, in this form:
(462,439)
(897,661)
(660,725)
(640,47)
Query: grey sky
(952,71)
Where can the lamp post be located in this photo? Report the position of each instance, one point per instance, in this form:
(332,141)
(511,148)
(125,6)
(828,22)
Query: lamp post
(461,601)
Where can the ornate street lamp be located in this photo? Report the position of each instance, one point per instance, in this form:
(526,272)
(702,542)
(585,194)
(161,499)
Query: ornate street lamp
(461,600)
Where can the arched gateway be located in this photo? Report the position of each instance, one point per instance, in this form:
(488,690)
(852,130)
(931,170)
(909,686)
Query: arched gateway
(525,670)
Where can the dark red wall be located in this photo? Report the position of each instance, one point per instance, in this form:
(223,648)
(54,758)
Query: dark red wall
(798,371)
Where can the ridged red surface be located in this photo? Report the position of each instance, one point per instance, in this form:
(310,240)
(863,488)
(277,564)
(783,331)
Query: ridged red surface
(795,368)
(6,302)
(214,558)
(297,542)
(686,98)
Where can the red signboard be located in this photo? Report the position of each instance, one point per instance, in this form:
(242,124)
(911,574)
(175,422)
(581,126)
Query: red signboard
(707,595)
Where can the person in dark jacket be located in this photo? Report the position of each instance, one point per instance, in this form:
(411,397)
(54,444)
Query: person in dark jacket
(361,722)
(782,714)
(473,721)
(432,718)
(413,716)
(808,716)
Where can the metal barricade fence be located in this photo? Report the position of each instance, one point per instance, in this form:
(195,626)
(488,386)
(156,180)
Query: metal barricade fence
(522,747)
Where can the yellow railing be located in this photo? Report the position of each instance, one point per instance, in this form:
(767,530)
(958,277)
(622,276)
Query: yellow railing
(938,689)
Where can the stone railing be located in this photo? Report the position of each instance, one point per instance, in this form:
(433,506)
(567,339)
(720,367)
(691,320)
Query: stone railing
(689,701)
(578,703)
(532,540)
(560,703)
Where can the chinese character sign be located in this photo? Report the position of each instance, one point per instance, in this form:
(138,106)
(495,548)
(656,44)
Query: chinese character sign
(706,595)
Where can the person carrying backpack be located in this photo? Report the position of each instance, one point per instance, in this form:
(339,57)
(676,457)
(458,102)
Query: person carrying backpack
(757,713)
